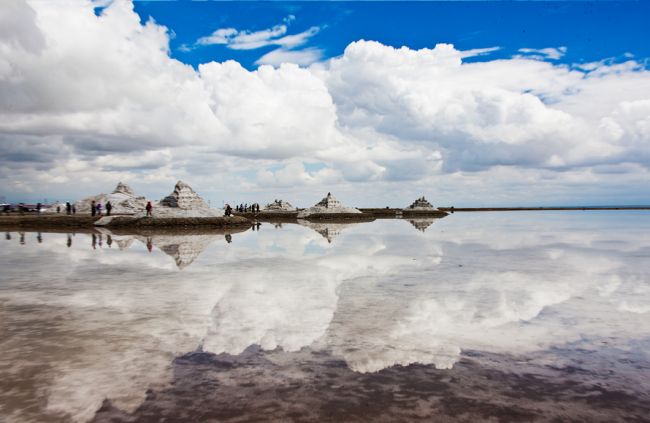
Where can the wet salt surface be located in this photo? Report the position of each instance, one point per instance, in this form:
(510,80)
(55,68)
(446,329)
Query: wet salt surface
(503,316)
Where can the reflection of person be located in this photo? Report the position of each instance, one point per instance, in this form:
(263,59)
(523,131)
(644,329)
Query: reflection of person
(22,238)
(94,242)
(39,238)
(69,241)
(7,236)
(149,244)
(228,238)
(109,241)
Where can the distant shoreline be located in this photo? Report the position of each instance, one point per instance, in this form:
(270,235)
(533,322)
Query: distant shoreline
(579,208)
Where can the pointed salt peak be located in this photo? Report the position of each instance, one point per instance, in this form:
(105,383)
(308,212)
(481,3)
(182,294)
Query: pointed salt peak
(329,201)
(124,189)
(184,197)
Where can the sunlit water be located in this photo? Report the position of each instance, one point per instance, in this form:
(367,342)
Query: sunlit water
(511,316)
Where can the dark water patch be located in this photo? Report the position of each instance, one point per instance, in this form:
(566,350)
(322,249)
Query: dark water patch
(312,386)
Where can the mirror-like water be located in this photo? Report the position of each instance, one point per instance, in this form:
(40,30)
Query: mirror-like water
(512,316)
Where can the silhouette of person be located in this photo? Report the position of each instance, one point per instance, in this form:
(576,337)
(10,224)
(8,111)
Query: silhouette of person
(228,238)
(109,241)
(22,238)
(94,242)
(109,207)
(69,241)
(93,210)
(39,238)
(149,244)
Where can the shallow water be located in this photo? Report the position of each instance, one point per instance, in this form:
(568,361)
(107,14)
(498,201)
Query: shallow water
(504,316)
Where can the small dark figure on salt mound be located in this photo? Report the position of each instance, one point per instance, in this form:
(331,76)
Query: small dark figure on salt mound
(74,209)
(109,207)
(99,209)
(228,210)
(93,210)
(149,208)
(68,208)
(58,209)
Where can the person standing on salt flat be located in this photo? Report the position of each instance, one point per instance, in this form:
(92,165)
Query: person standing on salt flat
(149,208)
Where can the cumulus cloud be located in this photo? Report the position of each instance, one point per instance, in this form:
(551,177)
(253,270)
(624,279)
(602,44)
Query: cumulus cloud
(376,114)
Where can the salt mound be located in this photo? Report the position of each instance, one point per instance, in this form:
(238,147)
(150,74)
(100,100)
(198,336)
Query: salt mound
(420,204)
(328,205)
(279,206)
(184,202)
(123,200)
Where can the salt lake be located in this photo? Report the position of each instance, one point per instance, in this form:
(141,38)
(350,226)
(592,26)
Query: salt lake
(515,316)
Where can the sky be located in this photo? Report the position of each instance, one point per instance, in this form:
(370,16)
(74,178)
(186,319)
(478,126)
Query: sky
(468,103)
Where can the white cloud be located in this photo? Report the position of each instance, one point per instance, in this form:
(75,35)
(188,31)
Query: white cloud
(249,40)
(299,57)
(77,107)
(549,53)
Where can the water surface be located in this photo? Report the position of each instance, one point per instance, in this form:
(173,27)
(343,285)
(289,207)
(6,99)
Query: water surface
(504,316)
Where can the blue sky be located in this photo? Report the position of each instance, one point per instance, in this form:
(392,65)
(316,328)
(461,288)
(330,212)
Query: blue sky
(591,31)
(468,103)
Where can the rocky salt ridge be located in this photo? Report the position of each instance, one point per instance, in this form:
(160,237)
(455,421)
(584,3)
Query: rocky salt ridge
(123,200)
(328,205)
(279,206)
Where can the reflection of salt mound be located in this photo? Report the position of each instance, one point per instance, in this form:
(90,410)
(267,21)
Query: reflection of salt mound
(123,200)
(420,204)
(184,249)
(329,231)
(124,244)
(328,205)
(279,206)
(184,202)
(421,224)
